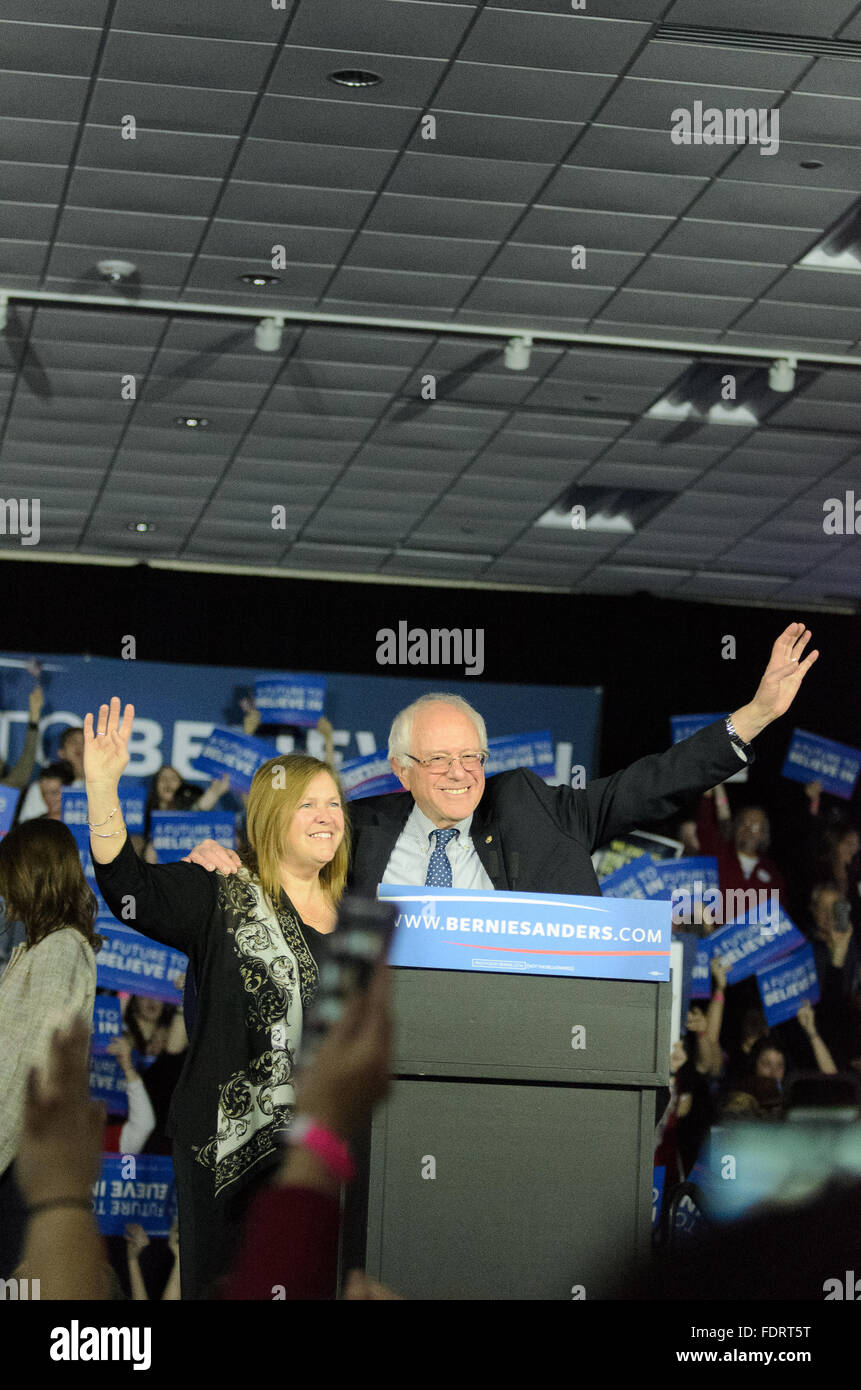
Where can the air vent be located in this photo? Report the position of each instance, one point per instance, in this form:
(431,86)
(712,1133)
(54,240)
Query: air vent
(773,43)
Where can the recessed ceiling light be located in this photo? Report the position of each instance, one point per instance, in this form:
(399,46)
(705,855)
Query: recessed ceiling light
(193,422)
(260,280)
(140,526)
(354,77)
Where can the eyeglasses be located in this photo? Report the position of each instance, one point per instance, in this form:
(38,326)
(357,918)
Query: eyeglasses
(470,762)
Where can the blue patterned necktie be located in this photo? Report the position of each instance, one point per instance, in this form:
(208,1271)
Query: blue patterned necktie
(439,869)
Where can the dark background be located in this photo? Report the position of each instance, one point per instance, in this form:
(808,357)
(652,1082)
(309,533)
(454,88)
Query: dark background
(654,657)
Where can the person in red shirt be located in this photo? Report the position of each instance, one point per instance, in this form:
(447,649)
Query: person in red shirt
(739,844)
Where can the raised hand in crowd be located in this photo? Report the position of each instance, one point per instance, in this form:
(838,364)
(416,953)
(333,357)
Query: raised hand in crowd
(36,701)
(136,1242)
(251,716)
(56,1167)
(121,1049)
(807,1019)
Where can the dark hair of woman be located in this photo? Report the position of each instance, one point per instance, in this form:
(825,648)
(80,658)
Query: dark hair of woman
(43,883)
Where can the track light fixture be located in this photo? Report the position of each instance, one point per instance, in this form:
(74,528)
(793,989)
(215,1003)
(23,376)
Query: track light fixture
(781,374)
(518,352)
(267,334)
(116,272)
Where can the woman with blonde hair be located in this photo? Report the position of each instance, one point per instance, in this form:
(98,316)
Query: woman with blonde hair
(49,979)
(251,939)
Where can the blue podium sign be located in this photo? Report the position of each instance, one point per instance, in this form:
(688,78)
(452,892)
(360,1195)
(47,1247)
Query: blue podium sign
(529,933)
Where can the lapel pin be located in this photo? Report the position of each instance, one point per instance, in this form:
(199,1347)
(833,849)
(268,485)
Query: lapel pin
(489,840)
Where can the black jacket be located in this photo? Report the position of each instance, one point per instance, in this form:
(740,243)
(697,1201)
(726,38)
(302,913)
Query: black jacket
(538,838)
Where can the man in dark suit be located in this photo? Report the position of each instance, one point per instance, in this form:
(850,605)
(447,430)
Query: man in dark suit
(450,828)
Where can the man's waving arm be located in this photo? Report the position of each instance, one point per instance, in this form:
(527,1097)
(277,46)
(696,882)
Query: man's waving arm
(654,787)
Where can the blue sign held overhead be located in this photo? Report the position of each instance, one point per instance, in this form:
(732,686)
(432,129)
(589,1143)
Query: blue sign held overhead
(237,755)
(174,833)
(815,759)
(752,942)
(529,933)
(784,987)
(297,700)
(147,1199)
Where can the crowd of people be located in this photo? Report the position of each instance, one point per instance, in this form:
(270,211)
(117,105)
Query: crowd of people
(730,1063)
(260,1145)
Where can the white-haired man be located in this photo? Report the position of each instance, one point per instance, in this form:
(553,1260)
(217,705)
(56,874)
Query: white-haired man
(451,828)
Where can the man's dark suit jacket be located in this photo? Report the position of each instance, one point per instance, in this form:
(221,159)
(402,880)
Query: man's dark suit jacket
(538,838)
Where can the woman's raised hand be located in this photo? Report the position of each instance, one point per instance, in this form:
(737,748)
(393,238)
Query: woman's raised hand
(106,752)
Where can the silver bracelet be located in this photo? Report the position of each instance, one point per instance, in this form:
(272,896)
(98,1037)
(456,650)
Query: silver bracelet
(108,835)
(92,824)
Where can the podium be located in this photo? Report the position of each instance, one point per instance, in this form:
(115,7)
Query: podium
(513,1156)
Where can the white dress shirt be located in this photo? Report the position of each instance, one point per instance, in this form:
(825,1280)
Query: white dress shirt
(409,858)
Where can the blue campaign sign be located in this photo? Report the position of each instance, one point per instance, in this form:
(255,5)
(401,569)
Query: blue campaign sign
(74,808)
(521,750)
(174,833)
(640,878)
(287,699)
(132,963)
(784,987)
(753,941)
(8,802)
(701,974)
(683,725)
(148,1198)
(238,755)
(659,1175)
(108,1084)
(369,776)
(107,1021)
(814,759)
(529,933)
(694,876)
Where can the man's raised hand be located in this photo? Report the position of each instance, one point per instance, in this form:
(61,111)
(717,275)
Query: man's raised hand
(785,672)
(779,685)
(106,752)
